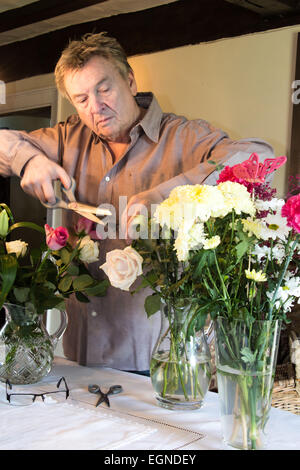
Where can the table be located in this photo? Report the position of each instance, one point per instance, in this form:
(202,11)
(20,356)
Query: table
(133,422)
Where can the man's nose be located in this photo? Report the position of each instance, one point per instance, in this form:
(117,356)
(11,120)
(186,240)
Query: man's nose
(96,104)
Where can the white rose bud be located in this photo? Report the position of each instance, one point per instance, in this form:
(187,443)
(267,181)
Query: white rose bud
(17,246)
(123,267)
(89,250)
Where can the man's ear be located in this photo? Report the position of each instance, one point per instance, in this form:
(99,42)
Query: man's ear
(132,82)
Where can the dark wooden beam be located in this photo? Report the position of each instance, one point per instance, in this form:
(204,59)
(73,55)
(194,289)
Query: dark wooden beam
(39,11)
(293,167)
(173,25)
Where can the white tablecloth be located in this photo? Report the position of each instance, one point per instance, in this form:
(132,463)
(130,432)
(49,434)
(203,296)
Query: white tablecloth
(133,422)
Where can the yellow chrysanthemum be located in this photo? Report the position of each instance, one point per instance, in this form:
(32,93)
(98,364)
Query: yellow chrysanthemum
(257,276)
(252,227)
(211,243)
(237,197)
(189,203)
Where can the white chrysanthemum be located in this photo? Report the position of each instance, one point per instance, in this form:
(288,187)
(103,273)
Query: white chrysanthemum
(211,243)
(274,205)
(260,252)
(237,197)
(257,276)
(181,246)
(277,253)
(189,203)
(187,241)
(275,226)
(283,299)
(292,283)
(196,235)
(252,227)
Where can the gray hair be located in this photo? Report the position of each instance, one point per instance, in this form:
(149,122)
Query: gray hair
(79,52)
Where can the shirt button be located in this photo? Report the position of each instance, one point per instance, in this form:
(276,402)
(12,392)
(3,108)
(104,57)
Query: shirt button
(94,314)
(107,178)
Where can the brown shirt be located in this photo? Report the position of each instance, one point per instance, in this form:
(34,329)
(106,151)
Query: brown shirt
(165,150)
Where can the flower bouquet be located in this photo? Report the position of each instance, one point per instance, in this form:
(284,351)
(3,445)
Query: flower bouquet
(233,250)
(240,245)
(33,281)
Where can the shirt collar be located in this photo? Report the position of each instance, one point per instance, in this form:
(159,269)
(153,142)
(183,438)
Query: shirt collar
(151,120)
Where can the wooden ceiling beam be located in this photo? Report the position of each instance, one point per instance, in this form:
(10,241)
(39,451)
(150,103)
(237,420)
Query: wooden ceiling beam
(172,25)
(39,11)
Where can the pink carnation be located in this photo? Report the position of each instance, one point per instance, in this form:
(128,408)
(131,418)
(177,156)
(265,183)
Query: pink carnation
(291,210)
(56,238)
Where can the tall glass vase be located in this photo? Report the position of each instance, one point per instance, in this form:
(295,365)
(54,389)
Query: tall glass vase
(26,348)
(180,366)
(246,356)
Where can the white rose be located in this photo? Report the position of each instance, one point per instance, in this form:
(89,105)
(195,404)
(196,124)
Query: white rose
(17,246)
(89,250)
(123,267)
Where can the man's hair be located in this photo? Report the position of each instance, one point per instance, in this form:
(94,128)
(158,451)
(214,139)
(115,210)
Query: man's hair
(79,52)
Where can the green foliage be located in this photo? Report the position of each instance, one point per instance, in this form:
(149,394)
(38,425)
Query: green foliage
(45,278)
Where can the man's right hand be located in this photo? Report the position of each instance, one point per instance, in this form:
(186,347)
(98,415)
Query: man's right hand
(38,175)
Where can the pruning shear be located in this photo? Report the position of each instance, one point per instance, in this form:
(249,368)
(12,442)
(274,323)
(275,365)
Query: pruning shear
(83,209)
(113,390)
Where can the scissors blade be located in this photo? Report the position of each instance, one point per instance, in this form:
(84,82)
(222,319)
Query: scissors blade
(89,216)
(90,209)
(103,398)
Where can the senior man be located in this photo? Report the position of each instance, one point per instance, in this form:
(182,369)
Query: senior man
(119,144)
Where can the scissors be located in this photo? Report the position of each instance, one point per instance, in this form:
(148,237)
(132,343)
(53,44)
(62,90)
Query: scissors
(83,209)
(113,390)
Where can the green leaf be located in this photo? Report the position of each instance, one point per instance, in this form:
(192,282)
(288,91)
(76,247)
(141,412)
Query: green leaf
(248,356)
(82,282)
(81,297)
(73,270)
(152,304)
(98,290)
(201,264)
(65,255)
(28,225)
(65,283)
(241,249)
(21,293)
(3,224)
(8,269)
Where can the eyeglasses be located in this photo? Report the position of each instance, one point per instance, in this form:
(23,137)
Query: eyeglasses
(21,399)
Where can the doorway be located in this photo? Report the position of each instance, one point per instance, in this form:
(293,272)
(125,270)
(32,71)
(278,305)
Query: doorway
(23,206)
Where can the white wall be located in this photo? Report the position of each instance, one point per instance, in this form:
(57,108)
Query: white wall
(242,85)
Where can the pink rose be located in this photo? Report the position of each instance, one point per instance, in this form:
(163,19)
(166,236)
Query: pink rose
(291,210)
(86,227)
(56,238)
(123,267)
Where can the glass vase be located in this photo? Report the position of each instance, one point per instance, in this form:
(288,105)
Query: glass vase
(26,348)
(180,365)
(246,356)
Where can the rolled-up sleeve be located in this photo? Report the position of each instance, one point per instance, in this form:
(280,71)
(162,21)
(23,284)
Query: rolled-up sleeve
(18,147)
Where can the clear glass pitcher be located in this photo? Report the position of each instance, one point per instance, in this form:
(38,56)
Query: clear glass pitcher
(26,347)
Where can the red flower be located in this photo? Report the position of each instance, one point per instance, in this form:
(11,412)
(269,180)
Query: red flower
(56,238)
(291,210)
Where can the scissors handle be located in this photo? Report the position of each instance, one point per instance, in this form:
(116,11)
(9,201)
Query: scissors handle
(59,203)
(114,389)
(70,192)
(94,388)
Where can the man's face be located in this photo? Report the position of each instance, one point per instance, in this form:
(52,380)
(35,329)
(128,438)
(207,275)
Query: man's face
(103,99)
